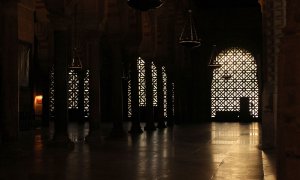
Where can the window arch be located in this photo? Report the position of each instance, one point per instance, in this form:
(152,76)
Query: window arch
(236,78)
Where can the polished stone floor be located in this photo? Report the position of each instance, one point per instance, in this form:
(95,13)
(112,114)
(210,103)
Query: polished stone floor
(212,151)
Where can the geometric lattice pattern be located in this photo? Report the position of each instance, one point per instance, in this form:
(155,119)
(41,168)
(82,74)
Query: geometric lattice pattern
(73,89)
(164,78)
(173,99)
(86,94)
(51,92)
(141,81)
(154,83)
(237,77)
(73,92)
(129,112)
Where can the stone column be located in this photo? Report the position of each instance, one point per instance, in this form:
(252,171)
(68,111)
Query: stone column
(268,113)
(170,102)
(1,80)
(160,99)
(9,71)
(61,46)
(135,118)
(150,126)
(288,122)
(117,92)
(95,116)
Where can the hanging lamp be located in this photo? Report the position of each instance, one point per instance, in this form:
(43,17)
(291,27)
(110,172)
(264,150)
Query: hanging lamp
(189,37)
(144,5)
(212,62)
(76,61)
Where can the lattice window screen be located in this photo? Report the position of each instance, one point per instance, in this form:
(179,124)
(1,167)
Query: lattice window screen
(51,92)
(154,83)
(164,77)
(141,81)
(73,92)
(237,77)
(129,113)
(86,94)
(73,89)
(173,99)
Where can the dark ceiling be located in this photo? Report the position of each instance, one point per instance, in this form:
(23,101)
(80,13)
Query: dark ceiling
(229,22)
(226,3)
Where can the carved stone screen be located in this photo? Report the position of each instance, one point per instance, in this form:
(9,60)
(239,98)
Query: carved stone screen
(73,92)
(51,92)
(141,81)
(164,77)
(236,78)
(73,89)
(154,83)
(86,94)
(129,113)
(173,99)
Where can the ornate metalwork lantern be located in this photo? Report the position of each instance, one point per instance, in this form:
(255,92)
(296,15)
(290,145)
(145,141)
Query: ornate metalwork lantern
(212,61)
(189,37)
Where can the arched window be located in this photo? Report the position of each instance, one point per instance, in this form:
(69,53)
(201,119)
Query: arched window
(154,83)
(236,78)
(164,77)
(141,81)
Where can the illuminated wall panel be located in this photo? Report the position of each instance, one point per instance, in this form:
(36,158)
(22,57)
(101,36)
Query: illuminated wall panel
(237,77)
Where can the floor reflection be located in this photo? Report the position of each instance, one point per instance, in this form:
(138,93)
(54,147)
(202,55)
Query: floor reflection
(203,151)
(239,157)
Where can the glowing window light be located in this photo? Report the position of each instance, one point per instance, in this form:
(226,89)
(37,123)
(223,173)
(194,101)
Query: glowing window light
(237,77)
(154,83)
(164,77)
(141,81)
(173,99)
(73,92)
(51,92)
(86,94)
(73,89)
(129,113)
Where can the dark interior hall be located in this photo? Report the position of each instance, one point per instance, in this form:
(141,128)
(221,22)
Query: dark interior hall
(149,89)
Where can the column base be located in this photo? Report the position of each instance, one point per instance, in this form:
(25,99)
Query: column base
(170,123)
(117,132)
(135,129)
(150,127)
(161,125)
(61,141)
(94,137)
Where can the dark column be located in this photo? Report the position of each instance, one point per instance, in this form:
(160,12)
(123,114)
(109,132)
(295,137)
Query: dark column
(160,98)
(117,94)
(60,75)
(150,126)
(95,116)
(170,103)
(9,71)
(45,114)
(135,118)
